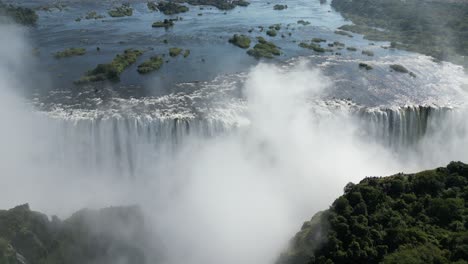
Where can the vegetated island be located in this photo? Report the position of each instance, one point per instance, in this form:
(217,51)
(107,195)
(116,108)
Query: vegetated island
(20,15)
(220,4)
(171,8)
(153,64)
(88,236)
(111,71)
(436,28)
(121,11)
(404,218)
(70,52)
(241,41)
(264,49)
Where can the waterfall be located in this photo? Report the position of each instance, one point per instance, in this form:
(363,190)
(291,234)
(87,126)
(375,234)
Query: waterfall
(401,127)
(126,144)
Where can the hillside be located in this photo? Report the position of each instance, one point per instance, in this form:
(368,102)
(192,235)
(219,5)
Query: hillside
(405,218)
(88,236)
(435,28)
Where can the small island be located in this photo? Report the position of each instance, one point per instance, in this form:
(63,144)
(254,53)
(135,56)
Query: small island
(264,49)
(111,71)
(171,8)
(70,52)
(153,64)
(167,23)
(241,41)
(121,11)
(280,7)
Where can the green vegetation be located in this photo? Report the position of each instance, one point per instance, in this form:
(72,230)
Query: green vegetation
(303,22)
(351,48)
(186,53)
(338,44)
(121,11)
(93,15)
(366,66)
(343,33)
(167,23)
(280,7)
(111,71)
(271,33)
(399,68)
(220,4)
(405,218)
(70,53)
(88,236)
(174,52)
(152,6)
(20,15)
(318,40)
(367,53)
(435,28)
(153,64)
(313,46)
(264,49)
(171,8)
(241,41)
(276,27)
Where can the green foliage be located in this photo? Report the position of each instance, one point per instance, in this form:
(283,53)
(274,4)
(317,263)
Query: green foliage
(111,71)
(264,49)
(20,15)
(313,46)
(171,8)
(303,22)
(186,53)
(242,41)
(70,53)
(174,52)
(271,33)
(220,4)
(166,23)
(153,64)
(152,6)
(415,218)
(121,11)
(7,252)
(86,237)
(318,40)
(343,33)
(93,15)
(280,7)
(435,28)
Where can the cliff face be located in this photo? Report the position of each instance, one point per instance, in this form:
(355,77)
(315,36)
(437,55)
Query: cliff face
(405,218)
(109,235)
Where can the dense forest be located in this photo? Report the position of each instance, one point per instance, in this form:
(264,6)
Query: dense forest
(20,15)
(88,236)
(435,28)
(415,218)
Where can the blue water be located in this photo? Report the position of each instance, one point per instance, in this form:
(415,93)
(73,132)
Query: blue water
(207,36)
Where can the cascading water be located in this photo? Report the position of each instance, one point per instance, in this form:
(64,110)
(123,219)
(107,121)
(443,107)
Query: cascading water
(401,128)
(127,144)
